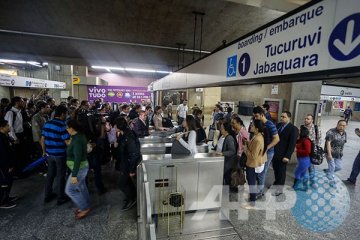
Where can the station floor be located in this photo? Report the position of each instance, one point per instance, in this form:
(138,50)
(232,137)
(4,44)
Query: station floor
(32,219)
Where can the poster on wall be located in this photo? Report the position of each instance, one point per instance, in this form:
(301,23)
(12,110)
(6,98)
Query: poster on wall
(119,94)
(275,108)
(338,104)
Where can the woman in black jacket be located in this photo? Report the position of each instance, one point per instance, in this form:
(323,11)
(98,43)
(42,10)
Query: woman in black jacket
(128,157)
(228,150)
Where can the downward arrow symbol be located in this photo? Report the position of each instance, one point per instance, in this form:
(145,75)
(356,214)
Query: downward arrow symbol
(349,45)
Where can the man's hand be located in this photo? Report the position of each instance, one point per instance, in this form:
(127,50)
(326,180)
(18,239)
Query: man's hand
(74,180)
(45,154)
(285,160)
(132,174)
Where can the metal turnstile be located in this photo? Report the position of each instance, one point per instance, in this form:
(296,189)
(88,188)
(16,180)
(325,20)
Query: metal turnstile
(197,175)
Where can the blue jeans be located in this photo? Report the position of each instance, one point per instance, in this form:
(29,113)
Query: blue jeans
(302,167)
(355,169)
(262,176)
(79,193)
(312,172)
(334,166)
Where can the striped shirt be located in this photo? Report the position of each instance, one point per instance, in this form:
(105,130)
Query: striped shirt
(272,131)
(55,135)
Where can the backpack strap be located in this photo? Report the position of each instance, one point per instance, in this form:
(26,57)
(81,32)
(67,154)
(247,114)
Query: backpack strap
(316,132)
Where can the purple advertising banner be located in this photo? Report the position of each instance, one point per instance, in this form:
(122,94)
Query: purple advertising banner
(119,94)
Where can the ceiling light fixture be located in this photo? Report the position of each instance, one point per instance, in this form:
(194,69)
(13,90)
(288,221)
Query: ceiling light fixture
(139,70)
(107,68)
(110,68)
(34,63)
(12,61)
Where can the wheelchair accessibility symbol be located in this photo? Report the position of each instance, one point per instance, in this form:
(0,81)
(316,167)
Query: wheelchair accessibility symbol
(231,66)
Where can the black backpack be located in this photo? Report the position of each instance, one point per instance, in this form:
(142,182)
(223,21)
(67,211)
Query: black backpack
(317,152)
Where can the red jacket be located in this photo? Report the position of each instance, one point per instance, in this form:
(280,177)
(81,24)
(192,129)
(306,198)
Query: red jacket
(303,147)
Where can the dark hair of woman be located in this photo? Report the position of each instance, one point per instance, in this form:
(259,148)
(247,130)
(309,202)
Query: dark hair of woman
(191,123)
(157,108)
(304,132)
(262,129)
(238,120)
(74,124)
(121,123)
(228,128)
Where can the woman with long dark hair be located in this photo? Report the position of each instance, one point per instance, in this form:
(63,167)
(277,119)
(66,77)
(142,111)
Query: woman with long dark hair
(188,139)
(303,150)
(255,152)
(76,187)
(228,150)
(158,119)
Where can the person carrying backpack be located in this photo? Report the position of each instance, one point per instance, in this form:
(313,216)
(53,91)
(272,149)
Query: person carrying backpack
(315,137)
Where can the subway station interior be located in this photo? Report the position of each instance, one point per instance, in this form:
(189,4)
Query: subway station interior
(102,101)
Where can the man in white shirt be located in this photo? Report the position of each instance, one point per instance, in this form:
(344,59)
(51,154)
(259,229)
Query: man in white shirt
(14,118)
(181,112)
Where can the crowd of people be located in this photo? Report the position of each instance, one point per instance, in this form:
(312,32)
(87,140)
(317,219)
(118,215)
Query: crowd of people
(71,138)
(75,136)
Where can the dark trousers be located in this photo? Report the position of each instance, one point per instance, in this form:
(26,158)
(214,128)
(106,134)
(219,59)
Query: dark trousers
(355,169)
(95,159)
(56,169)
(20,155)
(227,177)
(251,179)
(127,186)
(6,181)
(280,173)
(180,120)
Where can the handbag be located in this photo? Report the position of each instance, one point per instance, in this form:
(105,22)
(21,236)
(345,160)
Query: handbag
(237,178)
(178,148)
(317,155)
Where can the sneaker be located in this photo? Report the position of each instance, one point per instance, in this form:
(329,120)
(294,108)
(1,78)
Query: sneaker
(13,199)
(349,182)
(249,206)
(63,200)
(7,205)
(128,205)
(277,193)
(260,196)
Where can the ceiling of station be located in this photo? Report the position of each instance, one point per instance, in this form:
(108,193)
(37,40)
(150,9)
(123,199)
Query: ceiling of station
(108,32)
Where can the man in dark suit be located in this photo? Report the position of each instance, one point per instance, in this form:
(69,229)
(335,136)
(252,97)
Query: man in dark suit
(288,134)
(139,125)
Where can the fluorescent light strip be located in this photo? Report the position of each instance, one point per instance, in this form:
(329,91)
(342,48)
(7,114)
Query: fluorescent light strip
(110,68)
(166,72)
(130,69)
(12,61)
(139,70)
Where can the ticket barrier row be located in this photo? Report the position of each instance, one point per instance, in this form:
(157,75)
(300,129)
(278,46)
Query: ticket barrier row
(172,189)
